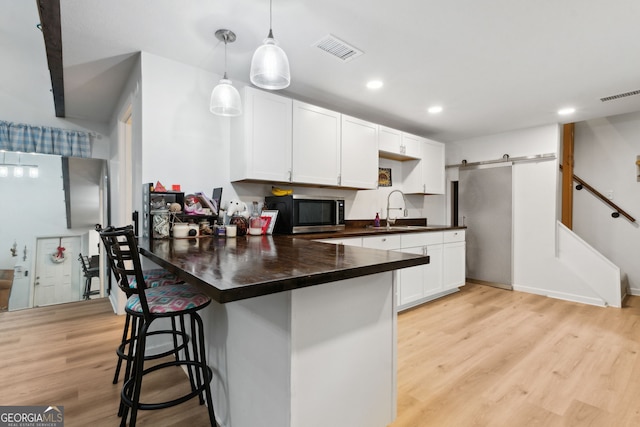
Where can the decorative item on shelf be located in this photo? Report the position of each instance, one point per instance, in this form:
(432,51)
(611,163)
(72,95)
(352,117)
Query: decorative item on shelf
(209,206)
(237,207)
(14,249)
(225,99)
(180,230)
(255,222)
(270,217)
(270,65)
(192,205)
(241,223)
(159,188)
(205,228)
(384,177)
(161,225)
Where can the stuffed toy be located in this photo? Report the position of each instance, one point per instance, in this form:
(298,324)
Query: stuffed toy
(237,207)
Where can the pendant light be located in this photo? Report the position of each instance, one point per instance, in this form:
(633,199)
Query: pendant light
(225,99)
(270,65)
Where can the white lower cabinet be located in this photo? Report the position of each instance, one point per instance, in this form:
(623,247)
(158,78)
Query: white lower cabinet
(444,274)
(454,259)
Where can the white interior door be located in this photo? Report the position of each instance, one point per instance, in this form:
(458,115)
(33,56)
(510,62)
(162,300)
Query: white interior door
(57,282)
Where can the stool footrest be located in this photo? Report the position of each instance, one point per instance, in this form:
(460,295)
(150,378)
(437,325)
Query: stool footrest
(207,375)
(120,351)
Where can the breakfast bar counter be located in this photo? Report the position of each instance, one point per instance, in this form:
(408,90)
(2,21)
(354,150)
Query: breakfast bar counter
(300,333)
(251,266)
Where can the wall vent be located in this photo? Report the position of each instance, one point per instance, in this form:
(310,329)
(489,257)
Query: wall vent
(336,47)
(620,95)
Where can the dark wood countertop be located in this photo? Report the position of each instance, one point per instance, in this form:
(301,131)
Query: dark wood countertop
(232,269)
(363,231)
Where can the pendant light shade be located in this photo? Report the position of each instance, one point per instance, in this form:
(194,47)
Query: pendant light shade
(225,99)
(270,65)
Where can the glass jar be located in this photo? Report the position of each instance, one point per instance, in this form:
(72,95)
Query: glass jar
(255,222)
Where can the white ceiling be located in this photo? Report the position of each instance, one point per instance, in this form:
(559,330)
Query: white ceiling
(493,65)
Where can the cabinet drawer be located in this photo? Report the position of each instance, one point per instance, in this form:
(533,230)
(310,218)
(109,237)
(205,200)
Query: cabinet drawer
(386,242)
(454,236)
(347,241)
(410,240)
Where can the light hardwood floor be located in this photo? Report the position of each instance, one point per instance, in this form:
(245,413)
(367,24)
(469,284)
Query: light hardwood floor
(480,357)
(65,355)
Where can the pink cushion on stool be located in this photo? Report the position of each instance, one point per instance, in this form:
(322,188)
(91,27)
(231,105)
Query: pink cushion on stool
(156,277)
(169,299)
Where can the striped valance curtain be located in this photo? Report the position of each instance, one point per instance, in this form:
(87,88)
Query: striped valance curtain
(44,140)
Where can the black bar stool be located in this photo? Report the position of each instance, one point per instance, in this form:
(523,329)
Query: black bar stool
(153,278)
(147,304)
(89,272)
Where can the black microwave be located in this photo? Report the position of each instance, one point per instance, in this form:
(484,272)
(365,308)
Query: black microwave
(306,214)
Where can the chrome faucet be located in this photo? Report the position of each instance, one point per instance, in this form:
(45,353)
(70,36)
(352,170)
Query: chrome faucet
(400,209)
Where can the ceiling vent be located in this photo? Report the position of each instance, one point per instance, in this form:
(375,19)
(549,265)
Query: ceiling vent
(620,95)
(337,48)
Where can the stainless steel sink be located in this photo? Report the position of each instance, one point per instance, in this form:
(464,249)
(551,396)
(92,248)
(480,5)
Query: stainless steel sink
(407,227)
(398,227)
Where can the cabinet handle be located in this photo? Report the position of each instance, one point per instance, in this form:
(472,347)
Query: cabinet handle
(384,240)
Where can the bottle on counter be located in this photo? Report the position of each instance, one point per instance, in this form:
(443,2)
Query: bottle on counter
(255,222)
(376,221)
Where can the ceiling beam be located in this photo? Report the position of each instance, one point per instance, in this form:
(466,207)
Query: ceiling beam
(49,11)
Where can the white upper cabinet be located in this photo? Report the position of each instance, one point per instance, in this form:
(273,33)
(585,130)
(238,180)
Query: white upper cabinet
(278,139)
(261,138)
(316,145)
(397,145)
(433,167)
(425,176)
(412,145)
(359,154)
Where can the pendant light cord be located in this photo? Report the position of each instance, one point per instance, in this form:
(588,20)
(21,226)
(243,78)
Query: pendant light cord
(226,37)
(270,15)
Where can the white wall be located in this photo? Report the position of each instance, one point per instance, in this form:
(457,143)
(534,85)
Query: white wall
(535,184)
(605,153)
(36,208)
(183,143)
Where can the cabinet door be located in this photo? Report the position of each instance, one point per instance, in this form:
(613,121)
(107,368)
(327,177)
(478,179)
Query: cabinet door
(261,138)
(411,280)
(359,154)
(412,145)
(389,142)
(316,145)
(433,274)
(454,265)
(433,167)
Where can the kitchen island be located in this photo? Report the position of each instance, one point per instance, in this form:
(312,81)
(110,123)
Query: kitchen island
(300,333)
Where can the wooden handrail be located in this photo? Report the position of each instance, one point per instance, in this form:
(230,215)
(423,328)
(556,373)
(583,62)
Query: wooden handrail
(616,208)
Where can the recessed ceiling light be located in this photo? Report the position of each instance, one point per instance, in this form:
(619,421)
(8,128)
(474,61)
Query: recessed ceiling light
(566,111)
(375,84)
(435,109)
